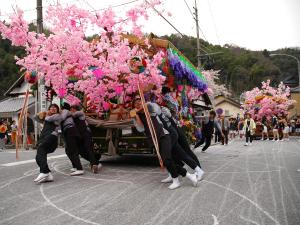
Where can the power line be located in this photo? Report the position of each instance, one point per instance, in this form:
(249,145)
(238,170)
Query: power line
(89,5)
(203,34)
(126,3)
(189,9)
(214,22)
(164,18)
(9,14)
(207,48)
(113,6)
(192,14)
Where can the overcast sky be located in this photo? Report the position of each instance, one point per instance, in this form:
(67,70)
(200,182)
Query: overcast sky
(254,24)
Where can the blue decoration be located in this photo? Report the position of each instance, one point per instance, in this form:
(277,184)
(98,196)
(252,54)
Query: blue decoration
(182,70)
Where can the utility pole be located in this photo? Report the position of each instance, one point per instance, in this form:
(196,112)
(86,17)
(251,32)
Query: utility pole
(198,39)
(40,100)
(41,85)
(39,16)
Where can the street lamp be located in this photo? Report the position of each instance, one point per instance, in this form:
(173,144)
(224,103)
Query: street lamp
(291,56)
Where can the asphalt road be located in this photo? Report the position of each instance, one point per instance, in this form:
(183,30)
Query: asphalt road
(251,185)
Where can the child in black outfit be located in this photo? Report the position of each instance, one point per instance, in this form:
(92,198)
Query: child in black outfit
(47,142)
(86,144)
(164,141)
(71,137)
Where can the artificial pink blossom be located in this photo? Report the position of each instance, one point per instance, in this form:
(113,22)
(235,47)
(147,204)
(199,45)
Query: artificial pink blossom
(268,101)
(106,106)
(98,73)
(62,92)
(119,90)
(66,51)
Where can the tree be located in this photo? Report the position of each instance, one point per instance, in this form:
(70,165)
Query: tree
(212,78)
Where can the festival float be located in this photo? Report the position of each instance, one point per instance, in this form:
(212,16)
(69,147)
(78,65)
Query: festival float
(186,83)
(105,73)
(268,101)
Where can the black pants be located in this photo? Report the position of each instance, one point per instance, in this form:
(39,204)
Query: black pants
(86,148)
(182,140)
(249,136)
(178,153)
(72,147)
(205,138)
(165,150)
(45,146)
(217,136)
(225,138)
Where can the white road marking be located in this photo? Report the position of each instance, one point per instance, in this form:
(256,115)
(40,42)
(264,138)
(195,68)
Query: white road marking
(249,220)
(22,151)
(63,211)
(89,178)
(26,174)
(246,198)
(216,222)
(31,160)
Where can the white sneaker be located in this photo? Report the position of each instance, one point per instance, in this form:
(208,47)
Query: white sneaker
(193,178)
(167,180)
(41,177)
(73,169)
(77,173)
(246,144)
(49,178)
(199,175)
(175,184)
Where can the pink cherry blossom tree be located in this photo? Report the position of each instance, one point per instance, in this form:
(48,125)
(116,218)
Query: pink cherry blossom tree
(69,63)
(212,77)
(268,101)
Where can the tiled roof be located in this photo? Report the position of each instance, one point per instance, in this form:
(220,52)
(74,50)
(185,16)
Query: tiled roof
(295,90)
(14,104)
(15,85)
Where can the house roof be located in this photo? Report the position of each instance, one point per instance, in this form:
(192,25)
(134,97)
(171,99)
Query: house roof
(15,85)
(203,102)
(207,99)
(295,90)
(11,105)
(229,100)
